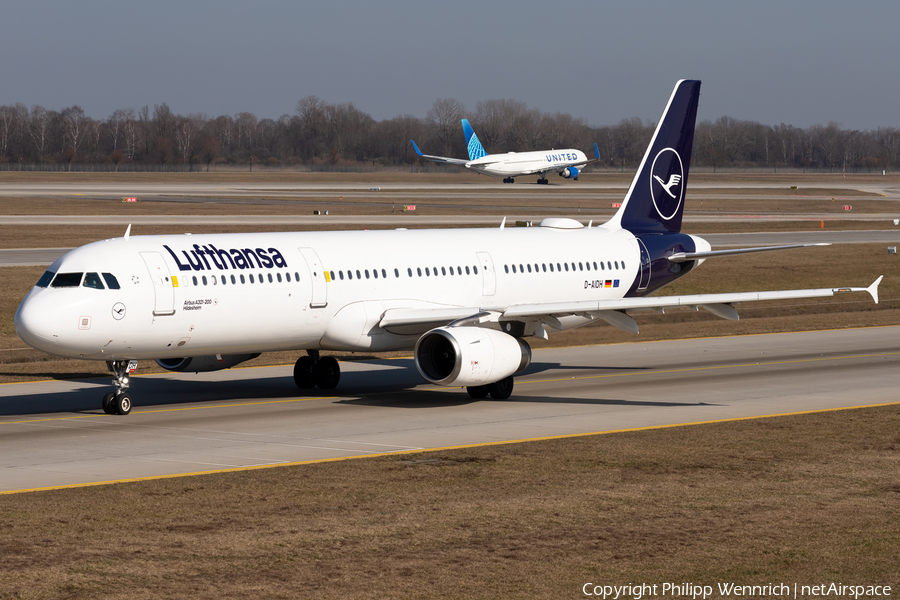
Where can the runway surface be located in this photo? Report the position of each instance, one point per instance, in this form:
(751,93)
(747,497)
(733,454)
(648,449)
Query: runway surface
(54,434)
(26,257)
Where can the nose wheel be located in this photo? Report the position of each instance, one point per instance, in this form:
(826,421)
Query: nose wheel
(119,402)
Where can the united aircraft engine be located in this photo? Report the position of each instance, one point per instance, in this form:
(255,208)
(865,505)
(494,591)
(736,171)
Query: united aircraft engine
(570,173)
(483,360)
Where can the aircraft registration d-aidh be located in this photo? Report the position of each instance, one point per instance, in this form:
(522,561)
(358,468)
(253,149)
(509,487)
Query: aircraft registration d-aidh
(464,299)
(512,164)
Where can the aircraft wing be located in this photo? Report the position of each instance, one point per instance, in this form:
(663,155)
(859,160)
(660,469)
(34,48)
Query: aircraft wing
(612,310)
(442,159)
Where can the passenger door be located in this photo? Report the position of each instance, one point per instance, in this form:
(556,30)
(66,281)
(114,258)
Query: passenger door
(487,273)
(163,287)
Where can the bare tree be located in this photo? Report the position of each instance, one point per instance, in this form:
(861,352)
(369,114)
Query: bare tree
(131,132)
(39,129)
(209,148)
(187,131)
(445,115)
(114,127)
(164,119)
(245,124)
(224,128)
(74,130)
(12,122)
(311,112)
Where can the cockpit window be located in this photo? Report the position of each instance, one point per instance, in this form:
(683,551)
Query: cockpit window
(45,279)
(67,280)
(111,281)
(92,280)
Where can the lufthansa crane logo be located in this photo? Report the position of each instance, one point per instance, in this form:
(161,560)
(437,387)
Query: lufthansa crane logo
(666,183)
(118,311)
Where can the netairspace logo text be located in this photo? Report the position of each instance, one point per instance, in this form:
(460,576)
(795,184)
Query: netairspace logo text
(727,590)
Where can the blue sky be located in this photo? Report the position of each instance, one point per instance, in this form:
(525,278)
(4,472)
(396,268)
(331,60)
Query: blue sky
(799,63)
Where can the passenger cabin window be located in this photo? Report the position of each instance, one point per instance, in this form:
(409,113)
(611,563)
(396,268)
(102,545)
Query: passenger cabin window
(92,280)
(45,279)
(67,280)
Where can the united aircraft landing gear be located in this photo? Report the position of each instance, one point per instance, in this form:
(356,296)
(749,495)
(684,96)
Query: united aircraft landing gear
(543,180)
(509,180)
(499,390)
(119,402)
(311,371)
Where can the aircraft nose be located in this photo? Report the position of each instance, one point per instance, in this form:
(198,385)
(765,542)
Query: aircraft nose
(38,322)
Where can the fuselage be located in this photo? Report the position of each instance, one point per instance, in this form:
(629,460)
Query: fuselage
(512,164)
(192,295)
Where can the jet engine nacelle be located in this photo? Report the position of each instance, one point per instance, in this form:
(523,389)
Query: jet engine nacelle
(202,364)
(569,173)
(469,356)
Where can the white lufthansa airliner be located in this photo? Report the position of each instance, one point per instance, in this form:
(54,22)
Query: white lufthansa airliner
(513,164)
(465,299)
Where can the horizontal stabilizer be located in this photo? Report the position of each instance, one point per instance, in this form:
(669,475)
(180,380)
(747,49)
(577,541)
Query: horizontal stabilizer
(687,256)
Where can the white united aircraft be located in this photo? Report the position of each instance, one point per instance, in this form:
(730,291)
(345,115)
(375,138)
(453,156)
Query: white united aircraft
(464,299)
(512,164)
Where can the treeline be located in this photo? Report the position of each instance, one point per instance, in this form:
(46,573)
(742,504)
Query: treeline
(320,133)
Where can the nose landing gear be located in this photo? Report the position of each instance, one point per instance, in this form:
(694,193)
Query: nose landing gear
(119,402)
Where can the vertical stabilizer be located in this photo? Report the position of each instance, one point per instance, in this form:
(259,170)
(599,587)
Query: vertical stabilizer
(476,150)
(655,200)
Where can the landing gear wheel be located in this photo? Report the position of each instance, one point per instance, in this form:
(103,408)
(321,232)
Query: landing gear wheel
(122,404)
(108,407)
(478,391)
(328,373)
(304,373)
(543,181)
(501,390)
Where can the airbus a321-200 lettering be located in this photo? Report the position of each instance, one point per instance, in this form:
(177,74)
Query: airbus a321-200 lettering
(464,300)
(567,163)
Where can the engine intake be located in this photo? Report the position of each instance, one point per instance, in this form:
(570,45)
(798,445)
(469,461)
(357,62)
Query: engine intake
(569,173)
(203,364)
(468,356)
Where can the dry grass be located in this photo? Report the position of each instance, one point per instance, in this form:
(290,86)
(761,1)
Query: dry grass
(807,499)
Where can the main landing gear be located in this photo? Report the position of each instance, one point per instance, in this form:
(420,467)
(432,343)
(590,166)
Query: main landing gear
(509,180)
(499,390)
(311,371)
(119,402)
(543,180)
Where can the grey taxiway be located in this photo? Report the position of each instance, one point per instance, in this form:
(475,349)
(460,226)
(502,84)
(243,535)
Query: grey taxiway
(53,433)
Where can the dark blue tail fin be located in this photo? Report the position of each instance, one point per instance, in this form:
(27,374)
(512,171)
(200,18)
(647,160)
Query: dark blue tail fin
(655,200)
